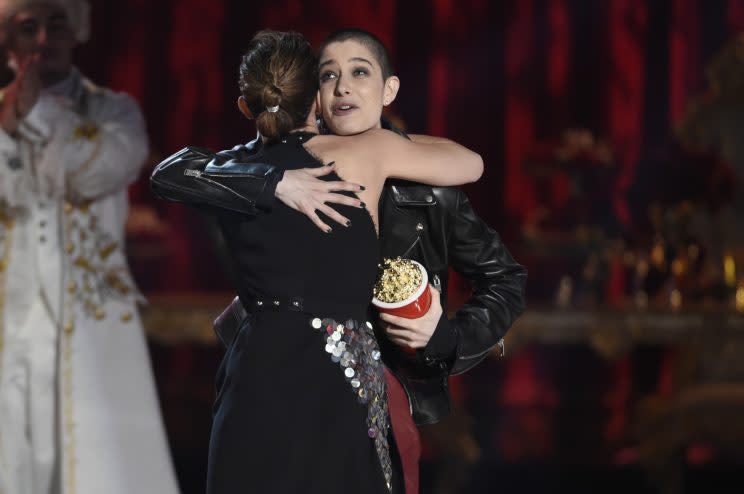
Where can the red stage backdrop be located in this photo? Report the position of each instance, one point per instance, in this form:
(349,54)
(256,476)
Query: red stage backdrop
(492,75)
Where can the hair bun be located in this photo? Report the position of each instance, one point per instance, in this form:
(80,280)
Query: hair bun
(272,95)
(279,81)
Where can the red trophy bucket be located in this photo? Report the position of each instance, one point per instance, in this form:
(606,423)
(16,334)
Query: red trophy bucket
(402,289)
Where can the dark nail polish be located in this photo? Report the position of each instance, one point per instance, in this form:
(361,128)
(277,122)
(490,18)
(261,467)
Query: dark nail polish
(348,223)
(330,230)
(362,205)
(362,187)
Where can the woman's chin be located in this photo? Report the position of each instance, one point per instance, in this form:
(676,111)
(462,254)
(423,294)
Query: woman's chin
(349,128)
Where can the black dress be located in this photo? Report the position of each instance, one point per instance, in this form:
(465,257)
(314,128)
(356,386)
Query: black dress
(302,405)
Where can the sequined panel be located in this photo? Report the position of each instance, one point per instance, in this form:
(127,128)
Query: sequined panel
(354,347)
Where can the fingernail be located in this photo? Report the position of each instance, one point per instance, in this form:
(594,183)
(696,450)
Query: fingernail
(362,187)
(362,205)
(330,230)
(331,163)
(348,223)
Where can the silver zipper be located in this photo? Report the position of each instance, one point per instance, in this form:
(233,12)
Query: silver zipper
(437,282)
(198,174)
(228,175)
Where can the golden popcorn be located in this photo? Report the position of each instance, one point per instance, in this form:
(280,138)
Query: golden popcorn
(398,279)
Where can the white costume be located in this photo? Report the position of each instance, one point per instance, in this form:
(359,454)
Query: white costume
(78,408)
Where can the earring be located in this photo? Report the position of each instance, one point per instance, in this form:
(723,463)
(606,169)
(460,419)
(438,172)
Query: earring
(322,129)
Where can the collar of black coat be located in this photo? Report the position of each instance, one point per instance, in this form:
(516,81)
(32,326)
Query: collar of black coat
(411,194)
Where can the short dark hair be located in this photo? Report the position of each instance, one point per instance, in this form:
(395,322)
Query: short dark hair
(279,69)
(364,38)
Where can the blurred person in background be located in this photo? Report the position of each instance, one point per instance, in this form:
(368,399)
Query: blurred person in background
(78,407)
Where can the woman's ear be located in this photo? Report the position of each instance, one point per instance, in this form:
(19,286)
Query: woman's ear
(390,91)
(311,120)
(243,107)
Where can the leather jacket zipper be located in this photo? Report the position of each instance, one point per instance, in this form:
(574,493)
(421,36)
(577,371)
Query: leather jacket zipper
(198,174)
(201,174)
(499,344)
(436,282)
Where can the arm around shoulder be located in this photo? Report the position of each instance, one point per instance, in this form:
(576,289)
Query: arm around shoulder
(434,161)
(183,177)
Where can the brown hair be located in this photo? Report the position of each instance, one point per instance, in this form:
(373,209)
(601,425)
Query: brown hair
(279,69)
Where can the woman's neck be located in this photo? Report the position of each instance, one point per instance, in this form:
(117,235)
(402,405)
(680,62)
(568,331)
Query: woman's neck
(309,129)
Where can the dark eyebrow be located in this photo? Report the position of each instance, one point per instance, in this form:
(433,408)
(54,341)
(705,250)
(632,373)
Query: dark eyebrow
(327,62)
(352,59)
(360,59)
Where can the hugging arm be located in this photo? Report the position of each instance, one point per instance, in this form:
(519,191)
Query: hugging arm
(200,177)
(237,181)
(429,160)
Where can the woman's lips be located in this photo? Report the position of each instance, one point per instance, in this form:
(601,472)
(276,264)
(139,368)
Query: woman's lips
(342,110)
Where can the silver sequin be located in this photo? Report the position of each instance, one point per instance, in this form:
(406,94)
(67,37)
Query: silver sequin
(354,346)
(316,323)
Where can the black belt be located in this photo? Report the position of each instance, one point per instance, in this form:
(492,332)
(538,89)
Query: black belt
(309,305)
(229,322)
(255,304)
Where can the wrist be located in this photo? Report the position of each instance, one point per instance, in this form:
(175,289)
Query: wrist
(280,188)
(442,345)
(271,190)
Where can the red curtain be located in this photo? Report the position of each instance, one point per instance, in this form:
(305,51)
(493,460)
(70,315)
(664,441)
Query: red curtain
(493,75)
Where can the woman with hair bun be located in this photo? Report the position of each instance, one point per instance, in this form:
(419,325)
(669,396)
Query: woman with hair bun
(302,404)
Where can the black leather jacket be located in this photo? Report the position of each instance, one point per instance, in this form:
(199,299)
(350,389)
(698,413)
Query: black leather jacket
(433,225)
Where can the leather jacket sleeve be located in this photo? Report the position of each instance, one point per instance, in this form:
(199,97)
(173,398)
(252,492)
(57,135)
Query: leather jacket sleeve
(478,254)
(197,176)
(234,179)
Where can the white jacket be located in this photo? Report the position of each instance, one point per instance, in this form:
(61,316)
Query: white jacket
(63,207)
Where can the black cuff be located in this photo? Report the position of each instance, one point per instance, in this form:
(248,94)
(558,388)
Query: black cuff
(266,197)
(443,343)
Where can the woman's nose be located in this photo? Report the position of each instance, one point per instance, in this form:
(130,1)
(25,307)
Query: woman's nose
(341,87)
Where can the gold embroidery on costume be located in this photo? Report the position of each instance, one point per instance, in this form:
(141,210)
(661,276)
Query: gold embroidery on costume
(94,279)
(69,460)
(6,228)
(87,130)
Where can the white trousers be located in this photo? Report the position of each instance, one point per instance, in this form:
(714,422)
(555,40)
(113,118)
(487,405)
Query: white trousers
(28,406)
